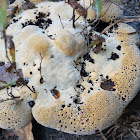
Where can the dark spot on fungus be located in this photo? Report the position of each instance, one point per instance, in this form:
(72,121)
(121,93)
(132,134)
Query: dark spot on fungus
(40,22)
(123,98)
(91,88)
(114,56)
(83,72)
(88,58)
(31,103)
(52,56)
(90,82)
(41,80)
(15,20)
(77,101)
(97,131)
(118,47)
(79,108)
(2,63)
(63,106)
(87,120)
(69,105)
(78,86)
(101,26)
(115,26)
(31,73)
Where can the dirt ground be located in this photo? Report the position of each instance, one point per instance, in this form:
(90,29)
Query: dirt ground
(126,128)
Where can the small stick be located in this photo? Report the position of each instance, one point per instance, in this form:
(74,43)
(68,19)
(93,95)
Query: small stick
(73,19)
(5,41)
(60,21)
(121,6)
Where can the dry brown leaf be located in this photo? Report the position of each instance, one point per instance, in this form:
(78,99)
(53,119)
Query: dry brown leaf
(79,9)
(12,12)
(11,46)
(28,5)
(6,76)
(107,85)
(97,40)
(22,134)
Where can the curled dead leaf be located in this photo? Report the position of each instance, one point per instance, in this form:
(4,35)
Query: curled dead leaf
(6,76)
(11,46)
(107,85)
(55,93)
(96,40)
(79,9)
(28,5)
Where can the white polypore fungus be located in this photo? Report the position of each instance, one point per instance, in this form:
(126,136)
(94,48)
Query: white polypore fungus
(109,11)
(96,106)
(94,88)
(16,113)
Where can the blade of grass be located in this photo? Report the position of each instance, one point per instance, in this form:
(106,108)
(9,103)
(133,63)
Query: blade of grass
(3,16)
(98,4)
(8,84)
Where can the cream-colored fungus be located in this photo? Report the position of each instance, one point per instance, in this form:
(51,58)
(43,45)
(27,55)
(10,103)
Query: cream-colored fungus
(94,88)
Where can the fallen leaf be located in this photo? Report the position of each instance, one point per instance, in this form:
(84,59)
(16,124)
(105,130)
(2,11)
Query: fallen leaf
(96,40)
(6,76)
(3,16)
(107,85)
(12,12)
(8,84)
(55,93)
(120,21)
(21,134)
(11,46)
(28,5)
(79,9)
(98,4)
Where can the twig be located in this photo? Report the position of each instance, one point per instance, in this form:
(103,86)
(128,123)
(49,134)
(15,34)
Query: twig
(103,136)
(11,95)
(29,88)
(5,42)
(132,133)
(4,100)
(12,82)
(41,77)
(122,7)
(40,64)
(97,19)
(60,21)
(120,21)
(129,17)
(73,18)
(80,15)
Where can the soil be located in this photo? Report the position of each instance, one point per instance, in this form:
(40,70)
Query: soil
(126,128)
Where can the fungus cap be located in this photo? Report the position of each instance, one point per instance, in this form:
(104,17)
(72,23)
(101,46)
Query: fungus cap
(89,106)
(109,11)
(15,113)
